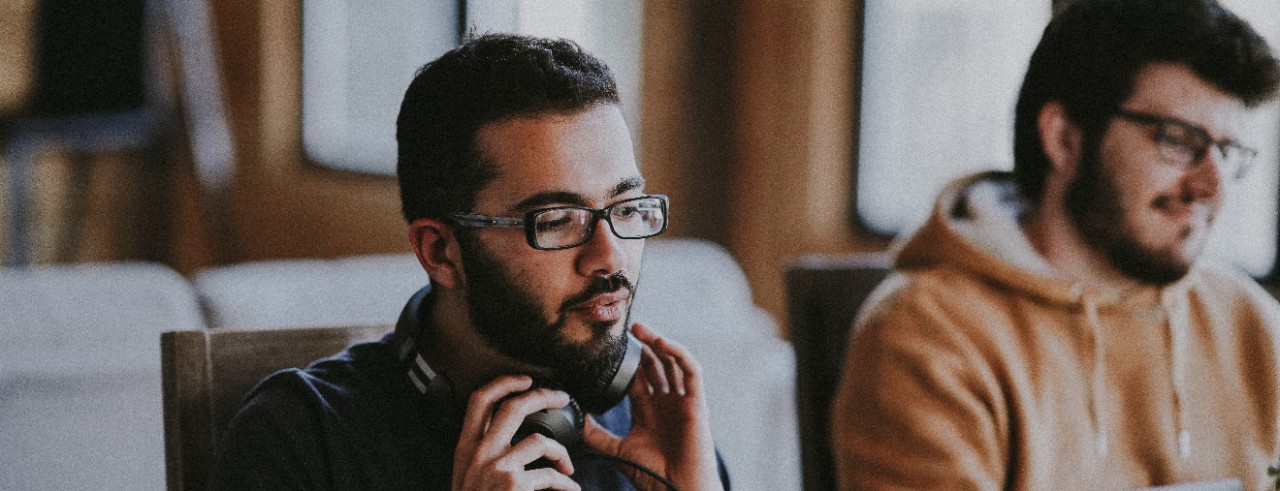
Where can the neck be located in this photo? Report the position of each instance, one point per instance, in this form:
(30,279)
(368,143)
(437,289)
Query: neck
(1055,236)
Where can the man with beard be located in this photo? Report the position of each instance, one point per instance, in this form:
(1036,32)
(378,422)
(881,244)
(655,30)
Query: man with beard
(1050,328)
(526,208)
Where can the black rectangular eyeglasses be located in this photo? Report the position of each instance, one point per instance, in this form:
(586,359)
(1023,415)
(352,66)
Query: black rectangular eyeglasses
(1185,145)
(565,227)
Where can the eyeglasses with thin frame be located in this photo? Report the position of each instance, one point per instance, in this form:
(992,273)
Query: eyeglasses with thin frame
(1185,145)
(565,227)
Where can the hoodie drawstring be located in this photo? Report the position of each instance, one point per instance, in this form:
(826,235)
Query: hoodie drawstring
(1099,386)
(1177,322)
(1178,316)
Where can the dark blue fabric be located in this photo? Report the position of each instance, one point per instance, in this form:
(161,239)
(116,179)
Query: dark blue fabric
(354,421)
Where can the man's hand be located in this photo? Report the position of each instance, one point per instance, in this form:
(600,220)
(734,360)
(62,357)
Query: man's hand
(670,428)
(485,459)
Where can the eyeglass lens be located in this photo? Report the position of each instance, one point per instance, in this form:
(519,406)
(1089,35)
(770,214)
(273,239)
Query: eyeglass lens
(1187,146)
(570,226)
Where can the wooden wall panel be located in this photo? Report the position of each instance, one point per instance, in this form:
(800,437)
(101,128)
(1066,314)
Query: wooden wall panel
(777,184)
(748,114)
(285,206)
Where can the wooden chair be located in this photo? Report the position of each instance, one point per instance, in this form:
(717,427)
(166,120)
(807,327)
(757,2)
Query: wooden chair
(824,294)
(207,373)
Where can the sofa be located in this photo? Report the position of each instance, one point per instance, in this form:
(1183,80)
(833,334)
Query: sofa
(79,352)
(80,404)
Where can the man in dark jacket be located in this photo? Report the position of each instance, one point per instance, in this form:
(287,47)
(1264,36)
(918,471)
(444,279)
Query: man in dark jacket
(526,208)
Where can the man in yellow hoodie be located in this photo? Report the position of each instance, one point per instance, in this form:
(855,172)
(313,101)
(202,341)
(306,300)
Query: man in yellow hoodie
(1050,328)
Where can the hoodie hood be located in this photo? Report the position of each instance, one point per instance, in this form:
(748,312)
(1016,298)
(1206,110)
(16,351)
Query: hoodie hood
(976,226)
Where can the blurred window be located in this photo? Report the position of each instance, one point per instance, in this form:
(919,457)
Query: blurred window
(358,58)
(940,80)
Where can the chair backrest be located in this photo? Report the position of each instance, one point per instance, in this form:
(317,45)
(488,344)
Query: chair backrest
(207,373)
(824,294)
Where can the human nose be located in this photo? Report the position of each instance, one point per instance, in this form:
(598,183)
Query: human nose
(1205,176)
(603,252)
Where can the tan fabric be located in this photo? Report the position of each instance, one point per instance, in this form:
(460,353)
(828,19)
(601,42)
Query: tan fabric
(974,367)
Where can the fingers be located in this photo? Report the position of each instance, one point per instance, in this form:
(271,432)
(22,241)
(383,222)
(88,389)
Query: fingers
(675,374)
(511,412)
(485,458)
(643,333)
(480,410)
(655,376)
(550,479)
(668,366)
(537,446)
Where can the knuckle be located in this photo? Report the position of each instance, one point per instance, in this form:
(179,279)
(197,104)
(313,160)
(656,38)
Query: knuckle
(474,462)
(509,480)
(537,439)
(477,398)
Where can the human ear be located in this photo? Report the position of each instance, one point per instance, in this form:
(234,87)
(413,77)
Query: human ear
(1060,137)
(438,251)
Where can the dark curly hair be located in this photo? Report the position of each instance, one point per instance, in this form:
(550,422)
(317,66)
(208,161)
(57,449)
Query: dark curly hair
(486,80)
(1092,50)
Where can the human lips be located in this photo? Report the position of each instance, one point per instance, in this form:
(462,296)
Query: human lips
(1190,218)
(1186,211)
(604,307)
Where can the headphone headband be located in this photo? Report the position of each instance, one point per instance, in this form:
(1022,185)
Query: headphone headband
(427,381)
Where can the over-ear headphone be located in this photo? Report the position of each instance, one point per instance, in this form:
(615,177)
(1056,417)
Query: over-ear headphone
(564,425)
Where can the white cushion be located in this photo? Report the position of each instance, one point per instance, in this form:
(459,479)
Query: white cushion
(357,290)
(80,394)
(693,291)
(90,317)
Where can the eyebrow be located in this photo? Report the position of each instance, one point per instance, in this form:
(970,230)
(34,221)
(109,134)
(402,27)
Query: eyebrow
(1155,118)
(1202,131)
(566,197)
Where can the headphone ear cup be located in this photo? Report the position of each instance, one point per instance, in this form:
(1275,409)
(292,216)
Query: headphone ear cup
(564,425)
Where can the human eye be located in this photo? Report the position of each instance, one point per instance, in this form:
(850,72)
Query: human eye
(555,220)
(1181,142)
(632,210)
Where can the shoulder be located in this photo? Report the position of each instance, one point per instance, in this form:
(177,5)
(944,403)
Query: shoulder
(289,392)
(935,303)
(325,383)
(1222,279)
(930,286)
(272,439)
(947,329)
(291,406)
(362,381)
(350,418)
(1230,288)
(1233,302)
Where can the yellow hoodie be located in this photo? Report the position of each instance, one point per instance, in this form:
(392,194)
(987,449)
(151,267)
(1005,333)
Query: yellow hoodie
(976,366)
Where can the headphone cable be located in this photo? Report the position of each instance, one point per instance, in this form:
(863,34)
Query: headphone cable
(591,454)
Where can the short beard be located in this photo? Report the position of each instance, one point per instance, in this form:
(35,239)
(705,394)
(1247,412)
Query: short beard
(1093,202)
(512,322)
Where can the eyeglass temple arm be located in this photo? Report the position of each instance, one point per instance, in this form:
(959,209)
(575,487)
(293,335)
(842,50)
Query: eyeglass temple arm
(474,220)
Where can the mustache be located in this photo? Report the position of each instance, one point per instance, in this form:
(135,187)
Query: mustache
(599,285)
(1184,198)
